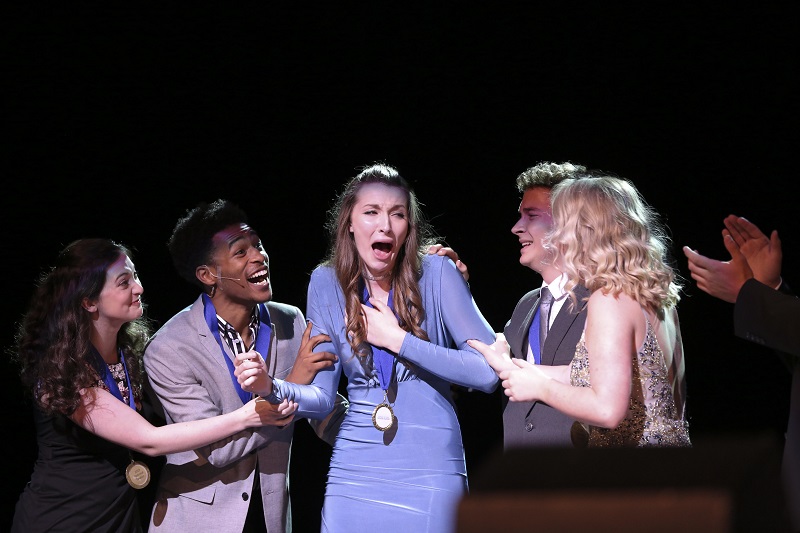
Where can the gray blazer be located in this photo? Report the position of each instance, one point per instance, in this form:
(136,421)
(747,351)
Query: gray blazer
(209,489)
(771,318)
(527,424)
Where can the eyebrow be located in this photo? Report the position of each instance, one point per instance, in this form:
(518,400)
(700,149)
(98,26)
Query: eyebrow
(122,274)
(378,206)
(242,235)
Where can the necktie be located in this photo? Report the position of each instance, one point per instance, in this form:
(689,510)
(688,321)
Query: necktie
(540,325)
(545,302)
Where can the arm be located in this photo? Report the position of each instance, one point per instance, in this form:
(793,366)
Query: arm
(107,417)
(319,398)
(462,365)
(308,362)
(498,355)
(610,336)
(768,317)
(253,376)
(186,396)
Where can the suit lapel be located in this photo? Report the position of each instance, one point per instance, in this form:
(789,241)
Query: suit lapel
(561,326)
(206,338)
(525,326)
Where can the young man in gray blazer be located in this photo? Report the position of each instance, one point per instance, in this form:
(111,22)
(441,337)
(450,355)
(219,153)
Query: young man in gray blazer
(536,424)
(239,483)
(765,312)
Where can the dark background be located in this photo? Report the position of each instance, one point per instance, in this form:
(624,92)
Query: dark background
(117,121)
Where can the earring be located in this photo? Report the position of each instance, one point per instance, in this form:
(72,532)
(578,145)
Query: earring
(213,291)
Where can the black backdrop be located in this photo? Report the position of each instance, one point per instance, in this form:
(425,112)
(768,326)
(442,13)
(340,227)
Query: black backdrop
(118,120)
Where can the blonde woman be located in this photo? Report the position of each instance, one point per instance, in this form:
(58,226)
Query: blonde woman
(626,383)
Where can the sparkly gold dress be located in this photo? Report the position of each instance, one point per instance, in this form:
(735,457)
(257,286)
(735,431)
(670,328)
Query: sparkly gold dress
(653,417)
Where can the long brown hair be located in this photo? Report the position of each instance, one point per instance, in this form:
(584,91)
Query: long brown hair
(344,258)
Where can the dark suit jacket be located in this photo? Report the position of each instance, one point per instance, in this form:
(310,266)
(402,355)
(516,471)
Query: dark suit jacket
(772,318)
(537,424)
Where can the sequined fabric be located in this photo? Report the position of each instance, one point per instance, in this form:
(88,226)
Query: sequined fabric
(653,418)
(118,373)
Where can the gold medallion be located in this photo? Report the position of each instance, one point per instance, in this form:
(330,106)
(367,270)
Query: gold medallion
(137,474)
(383,417)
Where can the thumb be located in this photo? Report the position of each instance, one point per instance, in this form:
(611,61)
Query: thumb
(774,240)
(521,363)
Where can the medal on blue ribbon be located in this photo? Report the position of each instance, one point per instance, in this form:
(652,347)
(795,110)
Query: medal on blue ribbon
(137,473)
(383,415)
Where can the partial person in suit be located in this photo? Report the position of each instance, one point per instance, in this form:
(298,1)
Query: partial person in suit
(79,347)
(625,383)
(238,483)
(765,312)
(537,424)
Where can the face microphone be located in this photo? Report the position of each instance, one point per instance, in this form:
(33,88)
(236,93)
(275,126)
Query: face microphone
(223,277)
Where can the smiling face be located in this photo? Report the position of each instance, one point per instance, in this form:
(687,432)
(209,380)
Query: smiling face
(379,225)
(119,302)
(240,266)
(535,222)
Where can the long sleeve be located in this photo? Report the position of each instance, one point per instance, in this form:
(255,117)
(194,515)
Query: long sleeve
(317,399)
(768,317)
(462,320)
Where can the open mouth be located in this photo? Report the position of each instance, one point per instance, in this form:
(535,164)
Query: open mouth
(382,250)
(259,278)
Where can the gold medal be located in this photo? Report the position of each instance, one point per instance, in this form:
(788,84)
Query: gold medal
(137,474)
(383,417)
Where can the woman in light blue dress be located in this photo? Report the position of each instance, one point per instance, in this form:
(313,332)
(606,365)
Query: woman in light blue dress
(399,321)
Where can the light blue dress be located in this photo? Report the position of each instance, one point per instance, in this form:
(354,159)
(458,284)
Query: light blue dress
(411,477)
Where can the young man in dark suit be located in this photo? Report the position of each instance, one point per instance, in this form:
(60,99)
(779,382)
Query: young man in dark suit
(550,337)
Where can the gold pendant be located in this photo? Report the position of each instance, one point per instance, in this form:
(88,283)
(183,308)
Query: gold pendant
(137,474)
(383,417)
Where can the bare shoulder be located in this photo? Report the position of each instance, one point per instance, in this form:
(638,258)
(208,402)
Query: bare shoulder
(601,303)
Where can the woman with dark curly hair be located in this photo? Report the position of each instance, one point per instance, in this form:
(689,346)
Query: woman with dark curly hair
(79,347)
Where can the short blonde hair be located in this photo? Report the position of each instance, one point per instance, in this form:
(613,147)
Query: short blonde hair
(607,238)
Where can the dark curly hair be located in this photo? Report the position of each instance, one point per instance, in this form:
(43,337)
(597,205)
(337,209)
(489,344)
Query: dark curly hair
(53,345)
(191,243)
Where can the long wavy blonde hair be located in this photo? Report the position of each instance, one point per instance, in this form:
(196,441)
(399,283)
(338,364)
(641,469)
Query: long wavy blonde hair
(607,238)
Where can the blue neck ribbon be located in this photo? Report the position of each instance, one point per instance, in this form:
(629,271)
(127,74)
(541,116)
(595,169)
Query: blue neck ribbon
(384,361)
(262,340)
(108,379)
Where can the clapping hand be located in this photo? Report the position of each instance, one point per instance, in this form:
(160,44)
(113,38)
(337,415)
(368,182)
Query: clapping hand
(763,254)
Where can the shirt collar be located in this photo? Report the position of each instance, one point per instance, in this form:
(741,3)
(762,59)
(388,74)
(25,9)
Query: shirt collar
(556,287)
